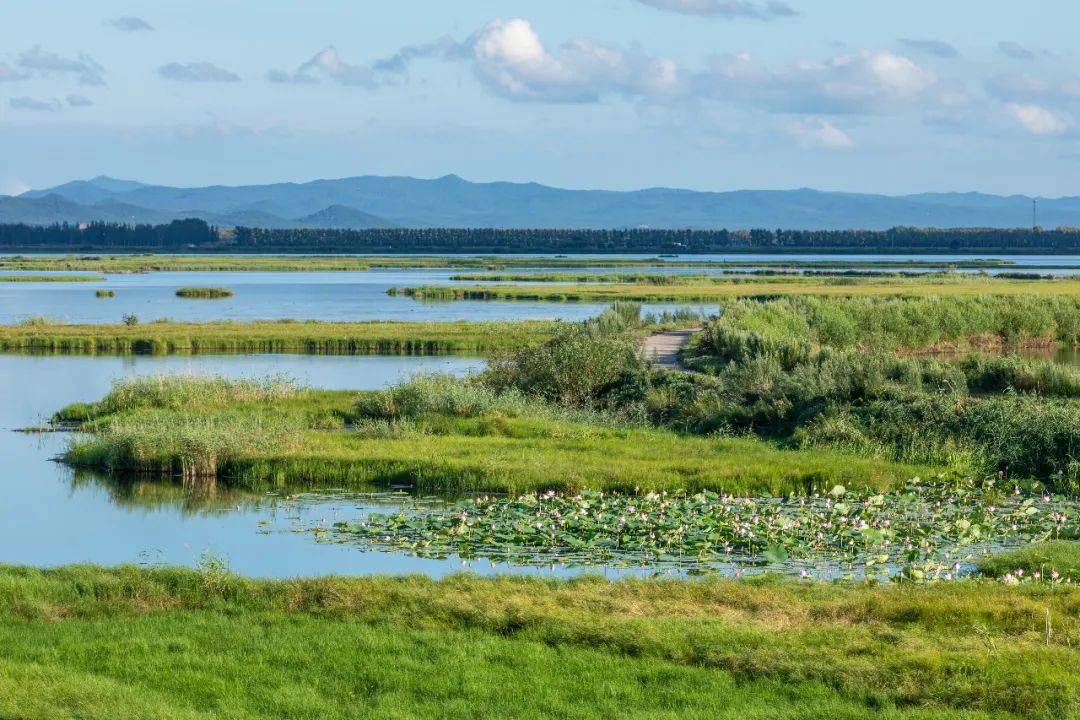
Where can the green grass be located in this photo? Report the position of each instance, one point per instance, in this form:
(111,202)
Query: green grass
(719,289)
(50,278)
(204,293)
(327,338)
(105,643)
(441,439)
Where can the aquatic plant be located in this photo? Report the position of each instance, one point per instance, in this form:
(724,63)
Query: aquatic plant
(105,293)
(924,530)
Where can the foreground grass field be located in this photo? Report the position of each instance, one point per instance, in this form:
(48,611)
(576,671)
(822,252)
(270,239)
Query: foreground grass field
(257,435)
(331,338)
(85,642)
(718,289)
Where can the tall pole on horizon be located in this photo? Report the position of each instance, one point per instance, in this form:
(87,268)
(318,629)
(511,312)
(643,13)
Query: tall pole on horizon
(1034,214)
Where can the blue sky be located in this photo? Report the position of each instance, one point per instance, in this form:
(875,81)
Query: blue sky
(708,94)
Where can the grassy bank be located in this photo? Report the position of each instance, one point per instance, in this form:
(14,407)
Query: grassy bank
(720,289)
(363,338)
(104,643)
(50,278)
(437,434)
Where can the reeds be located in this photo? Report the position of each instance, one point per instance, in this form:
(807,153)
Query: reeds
(324,338)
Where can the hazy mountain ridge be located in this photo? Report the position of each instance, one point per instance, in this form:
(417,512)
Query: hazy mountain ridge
(450,201)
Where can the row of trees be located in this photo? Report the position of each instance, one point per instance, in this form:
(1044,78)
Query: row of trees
(196,235)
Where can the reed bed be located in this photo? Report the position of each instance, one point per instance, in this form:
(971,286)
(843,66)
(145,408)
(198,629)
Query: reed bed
(325,338)
(204,293)
(105,293)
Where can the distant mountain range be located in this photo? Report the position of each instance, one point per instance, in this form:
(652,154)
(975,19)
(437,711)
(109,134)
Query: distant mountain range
(450,201)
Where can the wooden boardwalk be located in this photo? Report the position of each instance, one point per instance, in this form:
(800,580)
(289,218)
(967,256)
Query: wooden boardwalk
(664,347)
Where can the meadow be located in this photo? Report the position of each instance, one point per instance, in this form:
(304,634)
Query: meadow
(103,643)
(278,336)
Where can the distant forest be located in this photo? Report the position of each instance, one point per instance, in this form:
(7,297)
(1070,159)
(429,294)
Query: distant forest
(198,236)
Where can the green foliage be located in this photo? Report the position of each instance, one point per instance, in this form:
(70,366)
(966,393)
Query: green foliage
(578,364)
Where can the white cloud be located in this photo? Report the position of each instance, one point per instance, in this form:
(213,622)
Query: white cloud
(1037,120)
(730,9)
(78,101)
(511,60)
(129,23)
(865,82)
(199,72)
(86,70)
(819,133)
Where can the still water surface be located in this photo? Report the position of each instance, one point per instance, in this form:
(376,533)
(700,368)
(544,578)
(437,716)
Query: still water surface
(330,296)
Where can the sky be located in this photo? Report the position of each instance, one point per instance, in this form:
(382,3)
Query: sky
(856,95)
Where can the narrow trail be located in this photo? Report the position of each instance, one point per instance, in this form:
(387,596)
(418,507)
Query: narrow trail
(665,347)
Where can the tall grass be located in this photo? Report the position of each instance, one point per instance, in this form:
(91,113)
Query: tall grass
(190,446)
(792,327)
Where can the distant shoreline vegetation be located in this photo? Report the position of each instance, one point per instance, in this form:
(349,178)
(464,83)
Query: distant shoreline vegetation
(193,235)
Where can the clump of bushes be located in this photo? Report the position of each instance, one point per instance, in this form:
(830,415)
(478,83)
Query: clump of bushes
(105,293)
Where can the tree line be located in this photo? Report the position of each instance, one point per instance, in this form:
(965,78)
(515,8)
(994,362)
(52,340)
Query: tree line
(196,235)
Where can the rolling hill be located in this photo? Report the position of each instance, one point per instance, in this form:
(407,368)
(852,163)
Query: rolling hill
(450,201)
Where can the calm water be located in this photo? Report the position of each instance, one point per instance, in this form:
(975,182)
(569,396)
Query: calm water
(336,296)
